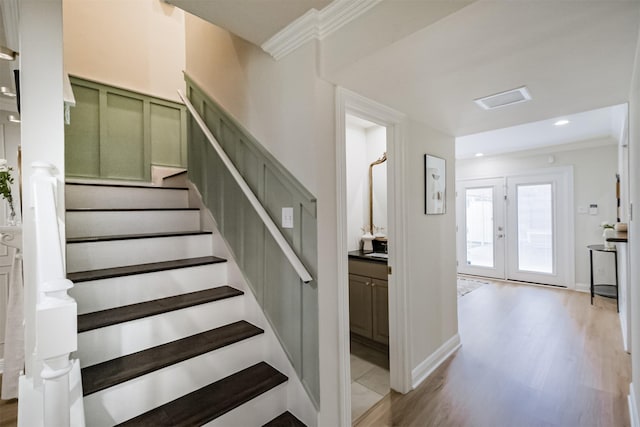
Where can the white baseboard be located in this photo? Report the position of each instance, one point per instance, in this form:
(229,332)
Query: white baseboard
(431,363)
(623,329)
(633,408)
(583,287)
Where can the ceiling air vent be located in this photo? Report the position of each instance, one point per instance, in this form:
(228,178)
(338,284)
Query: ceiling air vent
(502,99)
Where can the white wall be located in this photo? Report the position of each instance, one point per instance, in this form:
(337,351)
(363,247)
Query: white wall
(594,170)
(364,146)
(431,281)
(136,45)
(634,232)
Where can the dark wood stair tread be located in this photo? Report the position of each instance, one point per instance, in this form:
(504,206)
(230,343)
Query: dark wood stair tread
(115,184)
(286,419)
(91,239)
(210,402)
(113,316)
(129,209)
(129,270)
(107,374)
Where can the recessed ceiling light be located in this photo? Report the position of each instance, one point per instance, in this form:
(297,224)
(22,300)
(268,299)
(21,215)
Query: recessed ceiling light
(7,92)
(479,154)
(561,122)
(13,118)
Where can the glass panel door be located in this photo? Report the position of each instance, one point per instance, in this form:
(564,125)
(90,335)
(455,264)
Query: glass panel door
(539,248)
(480,239)
(535,228)
(479,223)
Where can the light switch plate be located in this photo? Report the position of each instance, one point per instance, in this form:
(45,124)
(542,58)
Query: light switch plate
(287,217)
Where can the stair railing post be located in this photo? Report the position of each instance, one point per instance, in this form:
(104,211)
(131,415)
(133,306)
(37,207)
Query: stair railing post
(56,311)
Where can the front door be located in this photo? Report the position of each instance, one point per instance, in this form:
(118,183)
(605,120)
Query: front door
(516,228)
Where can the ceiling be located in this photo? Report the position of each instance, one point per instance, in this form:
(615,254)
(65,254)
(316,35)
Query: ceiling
(253,20)
(603,123)
(572,55)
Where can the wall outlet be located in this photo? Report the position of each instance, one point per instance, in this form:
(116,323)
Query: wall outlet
(287,217)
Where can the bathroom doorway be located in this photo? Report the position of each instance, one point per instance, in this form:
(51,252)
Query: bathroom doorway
(367,244)
(379,275)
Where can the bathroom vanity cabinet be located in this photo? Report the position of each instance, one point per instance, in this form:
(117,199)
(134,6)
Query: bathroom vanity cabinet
(368,298)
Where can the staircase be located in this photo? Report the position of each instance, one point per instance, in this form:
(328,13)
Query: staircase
(162,336)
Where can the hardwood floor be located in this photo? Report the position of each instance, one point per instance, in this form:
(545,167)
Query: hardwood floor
(530,356)
(8,412)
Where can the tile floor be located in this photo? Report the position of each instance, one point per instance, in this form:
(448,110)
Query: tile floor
(369,384)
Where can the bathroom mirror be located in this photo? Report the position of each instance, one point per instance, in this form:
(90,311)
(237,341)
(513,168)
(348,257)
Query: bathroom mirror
(435,179)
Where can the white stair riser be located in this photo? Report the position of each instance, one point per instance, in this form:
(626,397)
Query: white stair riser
(137,396)
(107,343)
(104,197)
(255,412)
(102,294)
(118,253)
(109,223)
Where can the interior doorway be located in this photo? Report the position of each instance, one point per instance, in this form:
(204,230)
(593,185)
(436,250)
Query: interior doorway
(393,267)
(517,227)
(366,159)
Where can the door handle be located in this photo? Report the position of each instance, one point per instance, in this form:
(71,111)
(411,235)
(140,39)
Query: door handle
(500,236)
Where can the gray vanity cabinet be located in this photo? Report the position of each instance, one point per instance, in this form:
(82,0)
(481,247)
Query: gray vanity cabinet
(369,300)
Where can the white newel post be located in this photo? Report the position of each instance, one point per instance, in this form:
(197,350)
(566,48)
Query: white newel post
(56,312)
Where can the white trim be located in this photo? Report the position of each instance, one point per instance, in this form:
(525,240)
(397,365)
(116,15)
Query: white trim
(431,363)
(348,102)
(315,25)
(583,287)
(623,329)
(634,417)
(1,366)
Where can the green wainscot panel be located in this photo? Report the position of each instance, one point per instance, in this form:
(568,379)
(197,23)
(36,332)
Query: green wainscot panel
(119,134)
(82,135)
(122,152)
(290,305)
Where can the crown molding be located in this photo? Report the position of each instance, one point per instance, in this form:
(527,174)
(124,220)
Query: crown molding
(315,25)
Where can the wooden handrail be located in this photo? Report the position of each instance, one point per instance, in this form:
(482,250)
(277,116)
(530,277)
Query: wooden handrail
(293,259)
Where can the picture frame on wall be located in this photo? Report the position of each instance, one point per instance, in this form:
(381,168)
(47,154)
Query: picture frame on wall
(435,183)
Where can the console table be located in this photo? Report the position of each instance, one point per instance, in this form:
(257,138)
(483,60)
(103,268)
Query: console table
(607,290)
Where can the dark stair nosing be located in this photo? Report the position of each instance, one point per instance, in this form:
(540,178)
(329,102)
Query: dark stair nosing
(130,270)
(126,313)
(129,209)
(99,184)
(286,419)
(116,371)
(173,175)
(212,401)
(92,239)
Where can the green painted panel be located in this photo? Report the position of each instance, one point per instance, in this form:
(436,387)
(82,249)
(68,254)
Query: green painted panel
(290,305)
(166,134)
(117,133)
(123,148)
(253,250)
(282,301)
(82,135)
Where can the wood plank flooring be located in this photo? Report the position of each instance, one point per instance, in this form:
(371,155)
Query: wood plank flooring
(530,356)
(8,412)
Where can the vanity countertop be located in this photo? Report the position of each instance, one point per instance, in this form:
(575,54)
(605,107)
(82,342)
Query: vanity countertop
(363,256)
